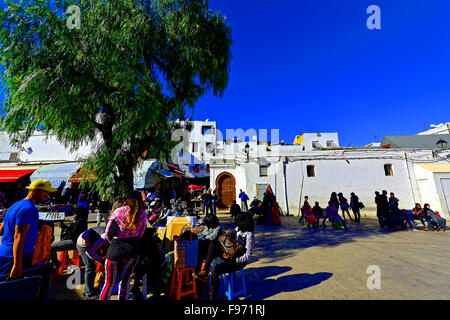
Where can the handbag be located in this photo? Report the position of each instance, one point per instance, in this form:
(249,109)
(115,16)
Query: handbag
(361,205)
(231,247)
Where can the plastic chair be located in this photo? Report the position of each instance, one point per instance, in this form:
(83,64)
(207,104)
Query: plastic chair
(20,289)
(183,283)
(230,285)
(65,262)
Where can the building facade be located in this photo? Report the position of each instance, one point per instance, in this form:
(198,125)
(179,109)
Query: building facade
(413,175)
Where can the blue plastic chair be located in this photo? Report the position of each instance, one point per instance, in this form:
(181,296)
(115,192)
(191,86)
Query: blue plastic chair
(230,285)
(20,289)
(228,281)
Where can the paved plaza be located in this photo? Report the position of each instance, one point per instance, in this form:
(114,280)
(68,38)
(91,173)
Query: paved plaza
(292,262)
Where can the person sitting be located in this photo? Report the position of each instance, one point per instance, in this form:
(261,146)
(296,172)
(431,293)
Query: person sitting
(397,216)
(333,215)
(305,210)
(162,218)
(235,209)
(92,248)
(436,220)
(419,214)
(70,234)
(208,246)
(151,260)
(317,212)
(244,234)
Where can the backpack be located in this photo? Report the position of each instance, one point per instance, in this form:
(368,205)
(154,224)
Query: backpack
(231,247)
(43,244)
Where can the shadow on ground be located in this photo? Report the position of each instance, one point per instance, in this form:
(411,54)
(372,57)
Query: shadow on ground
(260,288)
(288,239)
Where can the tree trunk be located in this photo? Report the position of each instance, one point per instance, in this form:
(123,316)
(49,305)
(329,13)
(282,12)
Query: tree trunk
(124,182)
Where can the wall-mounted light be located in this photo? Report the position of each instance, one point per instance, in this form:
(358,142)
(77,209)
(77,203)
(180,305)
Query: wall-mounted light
(442,144)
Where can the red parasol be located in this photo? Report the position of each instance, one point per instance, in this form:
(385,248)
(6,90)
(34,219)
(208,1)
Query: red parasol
(194,187)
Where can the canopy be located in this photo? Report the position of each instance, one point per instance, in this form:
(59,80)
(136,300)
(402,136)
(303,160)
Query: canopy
(144,176)
(83,175)
(12,175)
(57,174)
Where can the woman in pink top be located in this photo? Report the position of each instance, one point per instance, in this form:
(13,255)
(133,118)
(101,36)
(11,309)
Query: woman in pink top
(124,230)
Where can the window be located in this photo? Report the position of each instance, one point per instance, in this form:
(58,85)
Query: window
(209,147)
(263,171)
(207,130)
(329,143)
(388,170)
(310,171)
(315,144)
(195,147)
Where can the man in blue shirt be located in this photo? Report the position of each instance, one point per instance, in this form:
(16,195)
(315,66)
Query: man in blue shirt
(20,228)
(244,198)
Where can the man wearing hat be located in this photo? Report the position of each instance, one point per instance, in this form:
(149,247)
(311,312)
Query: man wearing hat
(20,230)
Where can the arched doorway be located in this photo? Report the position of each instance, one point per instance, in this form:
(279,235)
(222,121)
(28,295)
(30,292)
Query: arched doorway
(226,189)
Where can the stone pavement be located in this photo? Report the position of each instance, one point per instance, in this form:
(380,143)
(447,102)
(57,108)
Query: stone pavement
(292,262)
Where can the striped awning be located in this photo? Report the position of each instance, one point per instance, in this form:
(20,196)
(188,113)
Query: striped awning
(57,174)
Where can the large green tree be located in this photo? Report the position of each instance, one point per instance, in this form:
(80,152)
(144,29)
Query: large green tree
(130,68)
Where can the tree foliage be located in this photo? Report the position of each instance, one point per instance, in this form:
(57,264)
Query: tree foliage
(130,69)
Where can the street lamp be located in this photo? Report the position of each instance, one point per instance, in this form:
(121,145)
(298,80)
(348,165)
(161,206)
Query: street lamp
(442,144)
(247,150)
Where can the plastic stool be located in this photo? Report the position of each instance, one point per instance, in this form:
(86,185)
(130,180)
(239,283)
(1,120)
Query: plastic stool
(181,278)
(65,262)
(230,285)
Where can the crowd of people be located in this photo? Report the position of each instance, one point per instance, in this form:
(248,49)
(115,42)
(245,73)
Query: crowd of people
(127,244)
(123,247)
(311,215)
(390,215)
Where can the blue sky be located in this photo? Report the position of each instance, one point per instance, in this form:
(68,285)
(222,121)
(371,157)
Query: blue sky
(313,66)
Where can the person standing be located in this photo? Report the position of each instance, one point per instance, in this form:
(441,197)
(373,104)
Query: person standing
(244,198)
(384,207)
(124,230)
(103,211)
(20,229)
(207,202)
(344,206)
(354,204)
(215,200)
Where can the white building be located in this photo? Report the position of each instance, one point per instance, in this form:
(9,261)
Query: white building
(442,128)
(413,175)
(319,140)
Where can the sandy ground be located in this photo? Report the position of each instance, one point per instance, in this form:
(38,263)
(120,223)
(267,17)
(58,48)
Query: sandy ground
(292,262)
